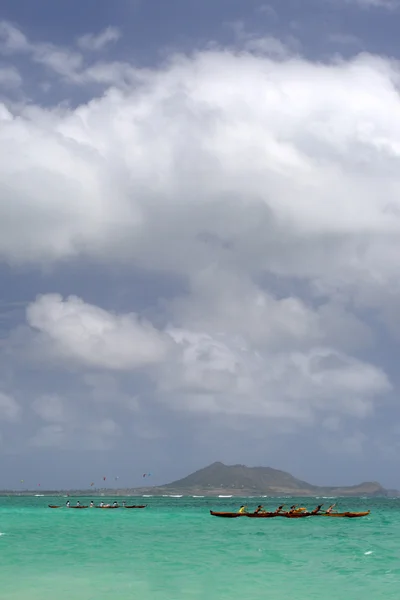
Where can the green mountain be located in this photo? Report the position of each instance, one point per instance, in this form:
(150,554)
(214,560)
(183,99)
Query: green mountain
(239,479)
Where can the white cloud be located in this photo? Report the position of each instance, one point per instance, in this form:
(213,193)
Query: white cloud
(224,302)
(227,377)
(87,181)
(87,335)
(71,66)
(9,77)
(12,39)
(9,408)
(240,173)
(97,42)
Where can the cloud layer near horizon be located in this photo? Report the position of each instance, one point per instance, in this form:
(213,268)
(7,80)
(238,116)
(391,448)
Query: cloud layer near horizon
(268,185)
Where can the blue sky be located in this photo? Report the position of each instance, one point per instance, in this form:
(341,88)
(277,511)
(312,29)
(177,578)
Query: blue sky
(198,240)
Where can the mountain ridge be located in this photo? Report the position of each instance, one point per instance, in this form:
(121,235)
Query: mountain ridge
(219,478)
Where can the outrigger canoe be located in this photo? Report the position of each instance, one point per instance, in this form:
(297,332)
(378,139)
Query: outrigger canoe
(137,506)
(349,515)
(231,515)
(265,515)
(53,506)
(228,515)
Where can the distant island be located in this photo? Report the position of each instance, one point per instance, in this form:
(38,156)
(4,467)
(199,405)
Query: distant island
(236,480)
(239,480)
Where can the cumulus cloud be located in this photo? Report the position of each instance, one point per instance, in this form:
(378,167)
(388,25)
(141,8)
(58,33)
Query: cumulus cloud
(279,372)
(295,177)
(97,42)
(72,66)
(73,330)
(225,302)
(266,183)
(9,77)
(216,377)
(12,39)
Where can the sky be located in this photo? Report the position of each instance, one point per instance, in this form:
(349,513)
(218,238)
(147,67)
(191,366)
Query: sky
(199,240)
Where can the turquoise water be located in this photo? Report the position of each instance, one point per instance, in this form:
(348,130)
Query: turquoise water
(174,549)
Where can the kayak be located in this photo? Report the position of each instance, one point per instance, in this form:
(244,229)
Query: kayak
(297,515)
(137,506)
(228,515)
(54,506)
(264,515)
(349,515)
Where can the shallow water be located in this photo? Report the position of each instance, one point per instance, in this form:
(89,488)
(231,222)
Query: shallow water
(175,550)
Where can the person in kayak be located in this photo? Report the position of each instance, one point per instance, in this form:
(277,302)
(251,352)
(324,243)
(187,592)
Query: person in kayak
(78,503)
(91,504)
(259,509)
(67,504)
(115,505)
(279,509)
(242,509)
(330,509)
(317,509)
(292,509)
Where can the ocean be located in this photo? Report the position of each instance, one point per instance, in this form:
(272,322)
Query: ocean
(175,550)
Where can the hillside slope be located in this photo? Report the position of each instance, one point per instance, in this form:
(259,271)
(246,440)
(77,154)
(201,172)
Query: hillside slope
(235,479)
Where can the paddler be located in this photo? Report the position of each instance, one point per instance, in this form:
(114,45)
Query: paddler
(67,504)
(279,509)
(242,509)
(330,509)
(259,509)
(292,509)
(78,504)
(317,509)
(91,504)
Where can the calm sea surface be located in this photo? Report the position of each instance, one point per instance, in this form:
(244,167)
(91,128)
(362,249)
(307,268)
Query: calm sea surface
(174,549)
